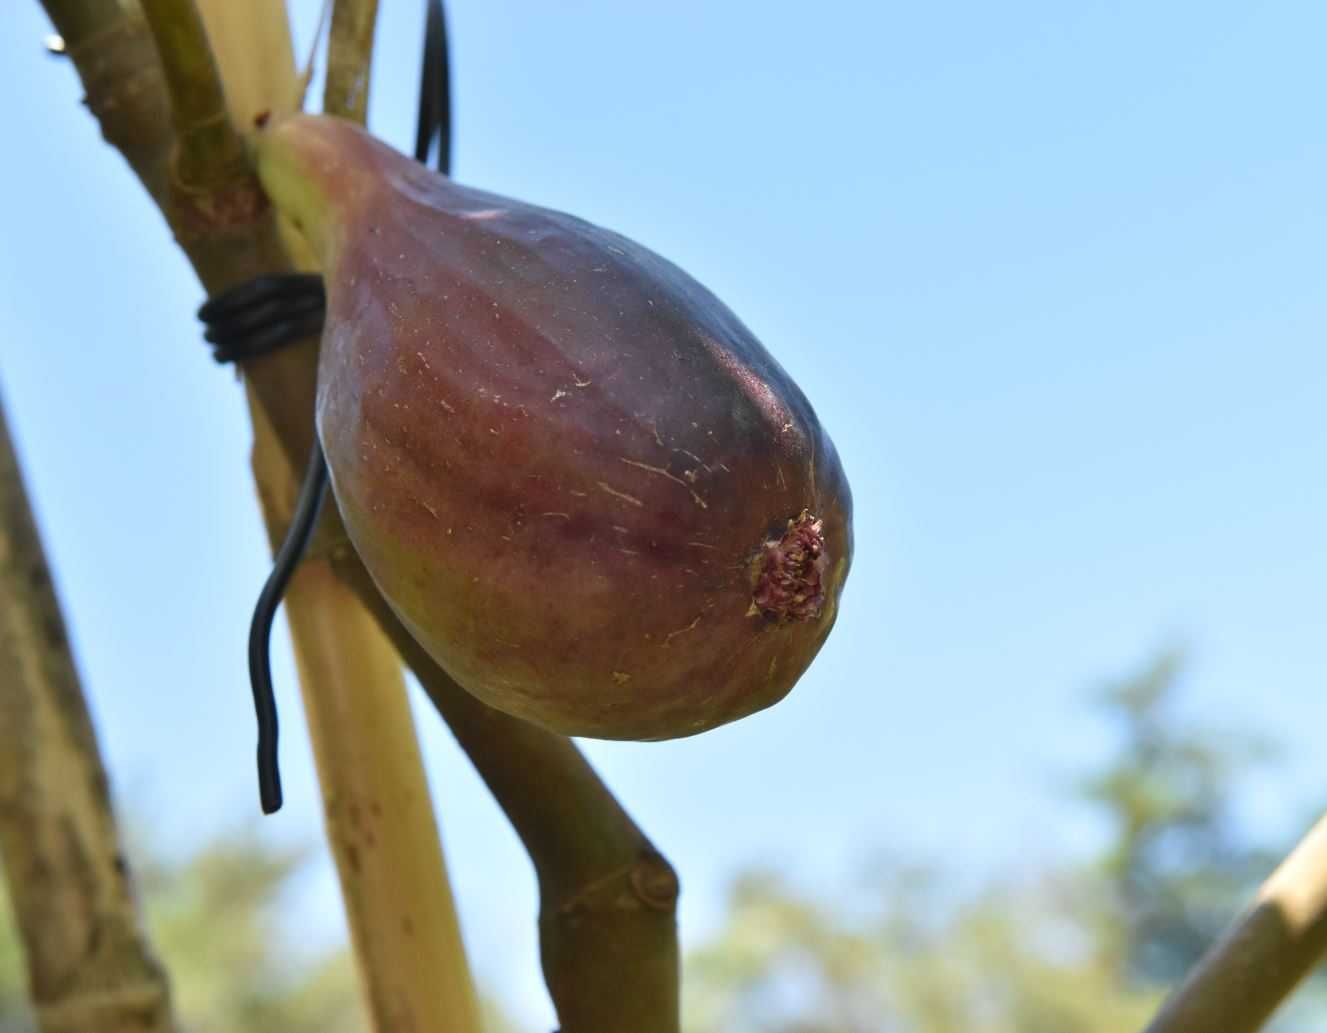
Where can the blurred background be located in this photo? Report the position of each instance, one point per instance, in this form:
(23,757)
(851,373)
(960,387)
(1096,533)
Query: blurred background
(1051,275)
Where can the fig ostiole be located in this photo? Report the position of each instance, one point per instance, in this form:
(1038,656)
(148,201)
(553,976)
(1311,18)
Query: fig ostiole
(577,478)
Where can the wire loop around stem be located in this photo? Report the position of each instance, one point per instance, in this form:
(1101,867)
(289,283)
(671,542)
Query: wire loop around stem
(262,314)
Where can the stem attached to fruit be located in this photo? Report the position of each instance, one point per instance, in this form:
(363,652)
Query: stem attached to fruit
(289,177)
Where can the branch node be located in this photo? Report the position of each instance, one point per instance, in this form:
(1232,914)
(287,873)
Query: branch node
(655,882)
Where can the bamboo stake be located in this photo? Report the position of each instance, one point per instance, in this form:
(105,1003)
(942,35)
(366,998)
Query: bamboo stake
(1264,953)
(255,56)
(607,897)
(90,966)
(377,810)
(376,804)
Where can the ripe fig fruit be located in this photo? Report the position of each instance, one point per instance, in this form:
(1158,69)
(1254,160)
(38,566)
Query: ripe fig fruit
(578,479)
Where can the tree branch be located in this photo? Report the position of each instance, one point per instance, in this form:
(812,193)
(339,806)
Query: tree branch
(210,153)
(1263,954)
(79,20)
(349,58)
(117,63)
(607,915)
(90,966)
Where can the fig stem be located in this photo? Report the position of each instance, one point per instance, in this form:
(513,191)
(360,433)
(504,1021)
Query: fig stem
(288,176)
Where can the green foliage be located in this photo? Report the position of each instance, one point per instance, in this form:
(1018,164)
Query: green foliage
(213,920)
(906,959)
(234,966)
(1178,860)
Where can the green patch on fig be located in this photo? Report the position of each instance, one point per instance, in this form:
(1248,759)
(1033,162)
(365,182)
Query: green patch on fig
(579,480)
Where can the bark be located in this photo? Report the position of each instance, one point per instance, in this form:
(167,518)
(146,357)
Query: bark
(1264,953)
(90,966)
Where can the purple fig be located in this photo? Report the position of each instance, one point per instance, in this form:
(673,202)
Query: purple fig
(583,485)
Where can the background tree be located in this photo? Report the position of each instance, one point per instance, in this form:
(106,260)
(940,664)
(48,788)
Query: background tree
(1086,947)
(1178,862)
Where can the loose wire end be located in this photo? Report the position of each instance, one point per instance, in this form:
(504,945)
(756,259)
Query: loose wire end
(302,524)
(249,320)
(266,312)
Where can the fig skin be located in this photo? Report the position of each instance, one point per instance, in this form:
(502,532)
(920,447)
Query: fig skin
(581,483)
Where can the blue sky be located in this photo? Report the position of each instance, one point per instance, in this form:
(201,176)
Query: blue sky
(1051,274)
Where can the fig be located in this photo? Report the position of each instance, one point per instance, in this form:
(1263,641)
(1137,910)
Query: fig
(580,482)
